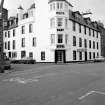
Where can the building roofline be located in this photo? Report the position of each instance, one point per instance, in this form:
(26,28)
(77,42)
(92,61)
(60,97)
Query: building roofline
(61,0)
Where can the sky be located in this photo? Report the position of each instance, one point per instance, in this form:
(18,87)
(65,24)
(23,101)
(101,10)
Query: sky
(97,7)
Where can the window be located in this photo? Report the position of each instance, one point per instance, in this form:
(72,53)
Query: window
(5,34)
(84,29)
(14,44)
(23,42)
(9,54)
(30,28)
(8,45)
(79,28)
(52,38)
(80,55)
(66,38)
(54,6)
(60,22)
(97,54)
(74,55)
(43,55)
(34,42)
(93,33)
(85,43)
(23,29)
(93,45)
(8,34)
(74,26)
(31,55)
(74,41)
(61,5)
(52,22)
(58,6)
(66,23)
(5,45)
(89,43)
(97,34)
(93,55)
(66,6)
(14,54)
(23,54)
(51,7)
(89,32)
(80,42)
(90,57)
(60,38)
(97,45)
(13,32)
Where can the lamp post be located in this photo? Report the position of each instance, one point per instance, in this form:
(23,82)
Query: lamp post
(1,36)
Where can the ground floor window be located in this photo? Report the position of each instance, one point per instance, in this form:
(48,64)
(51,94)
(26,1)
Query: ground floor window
(90,55)
(93,55)
(97,54)
(23,54)
(31,55)
(9,54)
(42,55)
(74,55)
(14,54)
(80,55)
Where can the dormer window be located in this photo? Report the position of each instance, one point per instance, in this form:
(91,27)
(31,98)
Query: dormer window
(58,6)
(54,6)
(30,28)
(74,26)
(50,6)
(23,29)
(61,5)
(25,15)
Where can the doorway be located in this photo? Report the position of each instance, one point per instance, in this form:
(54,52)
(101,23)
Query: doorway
(85,55)
(60,56)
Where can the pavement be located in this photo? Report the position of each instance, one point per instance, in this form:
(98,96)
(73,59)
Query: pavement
(51,84)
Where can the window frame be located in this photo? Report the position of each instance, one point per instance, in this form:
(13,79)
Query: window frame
(60,38)
(43,55)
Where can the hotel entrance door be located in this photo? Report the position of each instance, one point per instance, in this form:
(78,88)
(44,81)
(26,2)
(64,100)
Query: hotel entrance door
(60,56)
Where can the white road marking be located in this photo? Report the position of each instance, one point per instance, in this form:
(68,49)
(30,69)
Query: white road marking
(30,80)
(98,92)
(26,73)
(86,95)
(45,75)
(20,80)
(90,93)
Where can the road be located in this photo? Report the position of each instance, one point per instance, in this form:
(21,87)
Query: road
(50,84)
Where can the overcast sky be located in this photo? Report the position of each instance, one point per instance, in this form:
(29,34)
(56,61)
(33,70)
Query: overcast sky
(97,7)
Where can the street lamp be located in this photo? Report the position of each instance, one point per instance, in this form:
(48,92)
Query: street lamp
(1,36)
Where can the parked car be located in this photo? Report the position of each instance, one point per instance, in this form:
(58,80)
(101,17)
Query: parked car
(26,60)
(7,64)
(99,59)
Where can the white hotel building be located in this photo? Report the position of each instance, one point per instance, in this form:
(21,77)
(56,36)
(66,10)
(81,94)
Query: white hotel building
(50,31)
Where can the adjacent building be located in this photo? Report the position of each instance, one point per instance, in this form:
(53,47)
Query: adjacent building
(3,20)
(102,30)
(52,33)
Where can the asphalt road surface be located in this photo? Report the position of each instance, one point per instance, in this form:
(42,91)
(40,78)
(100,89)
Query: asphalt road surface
(50,84)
